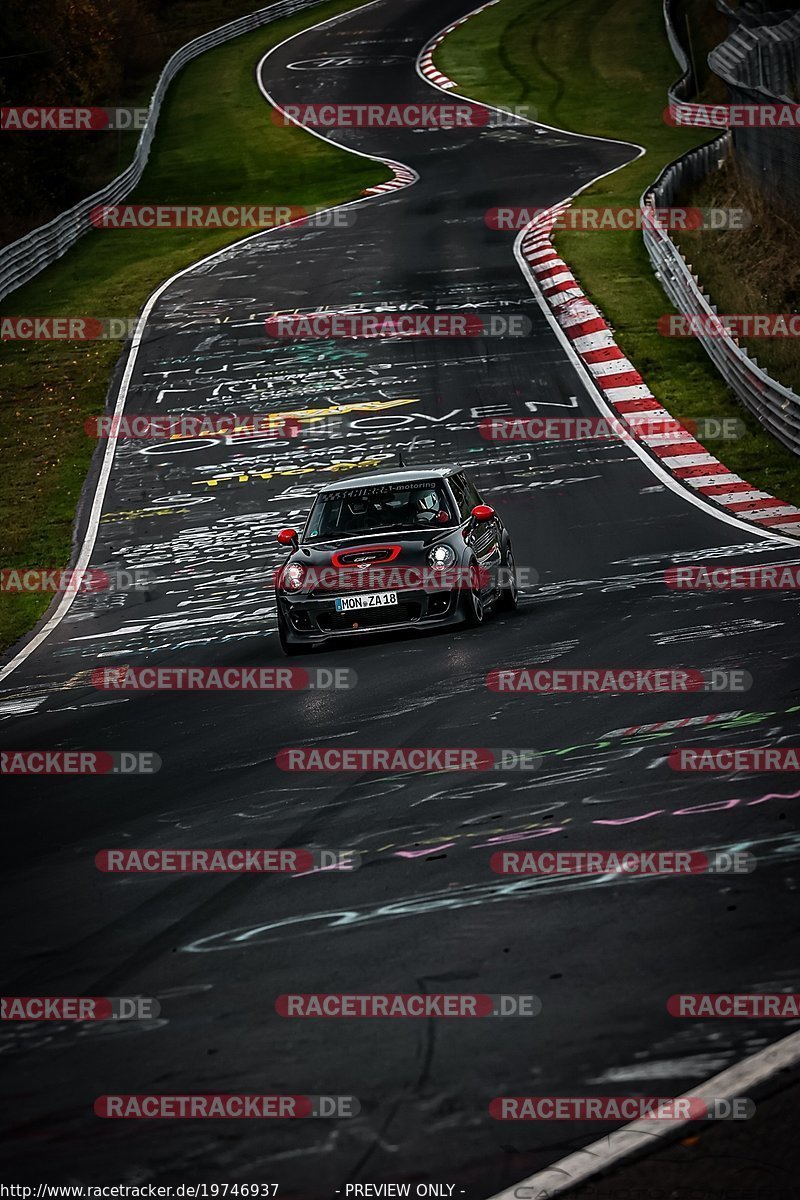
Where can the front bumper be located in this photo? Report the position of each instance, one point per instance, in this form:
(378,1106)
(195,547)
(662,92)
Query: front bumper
(309,618)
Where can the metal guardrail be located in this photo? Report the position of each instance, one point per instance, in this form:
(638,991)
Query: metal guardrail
(22,260)
(753,12)
(775,406)
(761,66)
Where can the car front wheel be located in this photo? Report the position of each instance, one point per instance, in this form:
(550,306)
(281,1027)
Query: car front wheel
(509,593)
(475,611)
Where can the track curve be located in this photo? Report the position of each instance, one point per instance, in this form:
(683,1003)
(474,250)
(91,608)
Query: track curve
(425,912)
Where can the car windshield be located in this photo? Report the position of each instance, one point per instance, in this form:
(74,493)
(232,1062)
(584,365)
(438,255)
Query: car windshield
(422,504)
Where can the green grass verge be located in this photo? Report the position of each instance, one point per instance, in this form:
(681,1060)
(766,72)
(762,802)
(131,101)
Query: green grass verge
(604,69)
(216,142)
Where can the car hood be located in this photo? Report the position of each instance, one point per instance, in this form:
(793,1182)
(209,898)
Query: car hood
(409,547)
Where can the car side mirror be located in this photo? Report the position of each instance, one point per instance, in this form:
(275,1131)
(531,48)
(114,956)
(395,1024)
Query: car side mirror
(288,537)
(482,512)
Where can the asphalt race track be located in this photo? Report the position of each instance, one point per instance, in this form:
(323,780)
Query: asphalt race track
(594,528)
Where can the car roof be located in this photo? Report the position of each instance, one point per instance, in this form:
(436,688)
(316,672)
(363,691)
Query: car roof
(380,477)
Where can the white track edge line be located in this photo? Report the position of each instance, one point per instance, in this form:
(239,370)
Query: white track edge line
(610,1150)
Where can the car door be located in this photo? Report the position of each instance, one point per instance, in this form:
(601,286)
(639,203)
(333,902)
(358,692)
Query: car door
(483,537)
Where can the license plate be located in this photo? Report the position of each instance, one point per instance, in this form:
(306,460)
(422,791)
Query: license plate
(365,600)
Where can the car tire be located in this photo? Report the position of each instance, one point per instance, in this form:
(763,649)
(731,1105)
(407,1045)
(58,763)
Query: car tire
(509,595)
(475,608)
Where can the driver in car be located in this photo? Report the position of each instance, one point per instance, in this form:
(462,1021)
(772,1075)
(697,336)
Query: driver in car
(428,511)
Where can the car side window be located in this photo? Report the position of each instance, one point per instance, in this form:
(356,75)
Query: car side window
(473,495)
(458,484)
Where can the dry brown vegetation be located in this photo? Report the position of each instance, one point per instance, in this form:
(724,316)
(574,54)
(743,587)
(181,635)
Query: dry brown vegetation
(754,270)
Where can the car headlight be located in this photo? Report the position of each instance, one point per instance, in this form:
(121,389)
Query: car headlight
(293,576)
(441,556)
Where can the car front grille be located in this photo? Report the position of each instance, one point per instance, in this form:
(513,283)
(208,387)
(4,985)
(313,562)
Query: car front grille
(368,618)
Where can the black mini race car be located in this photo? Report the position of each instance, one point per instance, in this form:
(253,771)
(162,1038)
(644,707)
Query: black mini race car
(407,548)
